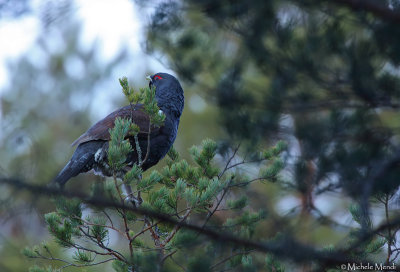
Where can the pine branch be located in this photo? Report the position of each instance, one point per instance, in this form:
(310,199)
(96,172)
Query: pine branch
(112,252)
(300,253)
(68,264)
(101,225)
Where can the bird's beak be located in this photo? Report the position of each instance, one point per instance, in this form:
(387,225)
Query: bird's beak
(150,81)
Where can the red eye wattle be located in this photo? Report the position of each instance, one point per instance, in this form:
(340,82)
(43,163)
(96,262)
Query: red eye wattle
(157,77)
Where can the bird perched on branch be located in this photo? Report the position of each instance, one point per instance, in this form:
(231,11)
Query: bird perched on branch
(91,152)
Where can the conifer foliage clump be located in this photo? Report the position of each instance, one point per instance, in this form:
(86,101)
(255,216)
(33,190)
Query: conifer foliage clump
(207,192)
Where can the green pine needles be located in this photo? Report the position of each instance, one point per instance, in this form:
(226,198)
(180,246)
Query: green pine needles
(207,192)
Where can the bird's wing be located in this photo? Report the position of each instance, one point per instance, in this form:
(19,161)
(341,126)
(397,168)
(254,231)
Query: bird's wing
(100,130)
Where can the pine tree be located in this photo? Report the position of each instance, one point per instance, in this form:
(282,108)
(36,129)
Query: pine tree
(181,191)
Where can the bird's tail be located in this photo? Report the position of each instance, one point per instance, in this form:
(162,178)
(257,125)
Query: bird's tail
(73,168)
(82,161)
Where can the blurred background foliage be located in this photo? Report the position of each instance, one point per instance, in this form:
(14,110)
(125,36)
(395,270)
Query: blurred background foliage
(320,72)
(321,75)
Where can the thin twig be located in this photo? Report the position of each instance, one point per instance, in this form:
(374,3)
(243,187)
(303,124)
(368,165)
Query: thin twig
(124,217)
(148,147)
(176,228)
(210,214)
(389,229)
(230,257)
(100,225)
(154,235)
(138,149)
(92,264)
(167,256)
(111,252)
(144,230)
(101,245)
(229,161)
(109,218)
(178,264)
(40,256)
(241,184)
(244,162)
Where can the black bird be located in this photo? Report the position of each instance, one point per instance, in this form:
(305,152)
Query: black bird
(91,152)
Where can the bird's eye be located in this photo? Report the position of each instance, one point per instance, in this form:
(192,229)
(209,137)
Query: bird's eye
(156,77)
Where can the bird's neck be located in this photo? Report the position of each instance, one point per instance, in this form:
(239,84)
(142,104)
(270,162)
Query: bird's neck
(171,104)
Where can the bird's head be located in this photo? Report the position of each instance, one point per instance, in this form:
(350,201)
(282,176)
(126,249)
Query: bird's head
(169,93)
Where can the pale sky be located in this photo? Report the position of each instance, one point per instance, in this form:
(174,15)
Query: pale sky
(17,35)
(125,27)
